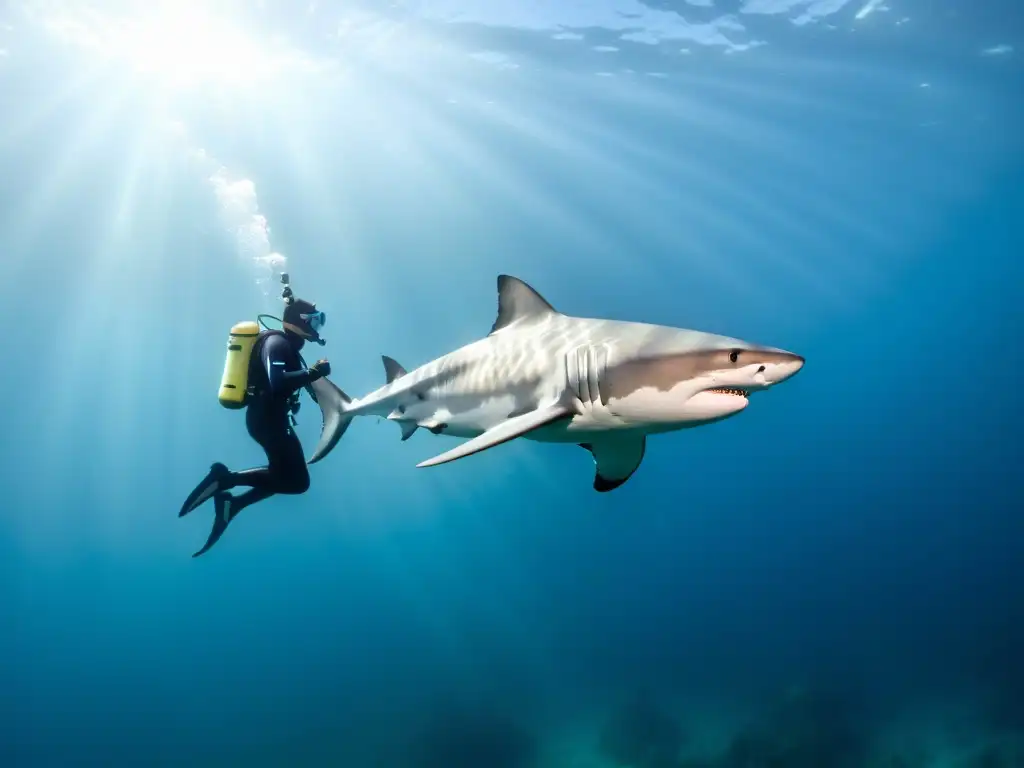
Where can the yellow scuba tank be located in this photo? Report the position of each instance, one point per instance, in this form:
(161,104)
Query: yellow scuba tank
(235,381)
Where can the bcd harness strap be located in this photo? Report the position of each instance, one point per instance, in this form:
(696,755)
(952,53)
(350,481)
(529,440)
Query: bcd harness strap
(252,390)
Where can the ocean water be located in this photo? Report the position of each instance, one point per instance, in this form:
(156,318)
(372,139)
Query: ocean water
(831,578)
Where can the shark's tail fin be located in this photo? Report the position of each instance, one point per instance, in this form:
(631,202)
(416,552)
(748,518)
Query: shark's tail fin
(394,370)
(336,418)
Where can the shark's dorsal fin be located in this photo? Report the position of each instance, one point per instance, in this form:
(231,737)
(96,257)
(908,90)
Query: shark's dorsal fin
(518,301)
(392,369)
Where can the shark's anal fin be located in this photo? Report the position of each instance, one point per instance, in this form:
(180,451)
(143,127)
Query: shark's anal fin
(507,430)
(518,301)
(616,458)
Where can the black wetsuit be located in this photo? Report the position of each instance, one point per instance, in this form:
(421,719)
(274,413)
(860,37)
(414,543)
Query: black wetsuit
(277,374)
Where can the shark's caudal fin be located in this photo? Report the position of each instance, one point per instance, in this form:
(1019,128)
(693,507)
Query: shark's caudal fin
(616,458)
(394,370)
(518,301)
(333,403)
(507,430)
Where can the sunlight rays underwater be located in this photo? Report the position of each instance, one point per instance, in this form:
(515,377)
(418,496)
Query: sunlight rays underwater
(706,161)
(394,92)
(444,132)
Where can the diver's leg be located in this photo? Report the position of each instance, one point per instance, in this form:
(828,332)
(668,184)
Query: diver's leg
(251,496)
(286,473)
(288,464)
(257,477)
(260,426)
(264,428)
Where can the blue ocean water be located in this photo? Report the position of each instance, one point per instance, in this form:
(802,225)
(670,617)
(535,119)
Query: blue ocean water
(831,578)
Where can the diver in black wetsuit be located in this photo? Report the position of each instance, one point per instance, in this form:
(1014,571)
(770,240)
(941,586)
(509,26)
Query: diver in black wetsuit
(276,374)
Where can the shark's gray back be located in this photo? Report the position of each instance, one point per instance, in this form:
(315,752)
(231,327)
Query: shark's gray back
(558,334)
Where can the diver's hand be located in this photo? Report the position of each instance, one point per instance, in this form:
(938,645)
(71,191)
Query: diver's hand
(319,369)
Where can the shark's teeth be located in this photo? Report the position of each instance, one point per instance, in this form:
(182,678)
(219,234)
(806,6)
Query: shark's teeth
(729,391)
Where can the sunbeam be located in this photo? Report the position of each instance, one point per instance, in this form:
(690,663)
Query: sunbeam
(138,165)
(651,206)
(442,131)
(20,125)
(75,153)
(176,44)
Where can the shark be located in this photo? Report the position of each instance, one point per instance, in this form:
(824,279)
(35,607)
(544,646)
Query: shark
(546,376)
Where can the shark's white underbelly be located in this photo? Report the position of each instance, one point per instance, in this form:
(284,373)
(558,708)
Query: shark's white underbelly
(584,419)
(470,420)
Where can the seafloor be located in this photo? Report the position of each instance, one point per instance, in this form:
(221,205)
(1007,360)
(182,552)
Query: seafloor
(797,728)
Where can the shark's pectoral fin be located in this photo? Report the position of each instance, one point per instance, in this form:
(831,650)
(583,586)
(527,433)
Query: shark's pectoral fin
(616,458)
(507,430)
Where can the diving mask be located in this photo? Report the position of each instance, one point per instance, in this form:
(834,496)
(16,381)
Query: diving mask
(316,320)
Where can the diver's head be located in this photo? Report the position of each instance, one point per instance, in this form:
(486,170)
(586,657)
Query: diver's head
(303,321)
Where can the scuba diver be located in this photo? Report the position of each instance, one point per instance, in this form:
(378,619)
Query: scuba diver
(264,373)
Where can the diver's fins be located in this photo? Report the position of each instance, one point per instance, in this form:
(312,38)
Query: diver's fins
(207,487)
(221,518)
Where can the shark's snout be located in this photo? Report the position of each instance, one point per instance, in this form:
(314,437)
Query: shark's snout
(783,366)
(767,368)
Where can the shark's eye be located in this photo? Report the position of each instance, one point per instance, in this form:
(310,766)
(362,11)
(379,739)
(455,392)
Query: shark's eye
(734,355)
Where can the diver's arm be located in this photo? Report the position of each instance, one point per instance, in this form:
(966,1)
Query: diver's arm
(283,383)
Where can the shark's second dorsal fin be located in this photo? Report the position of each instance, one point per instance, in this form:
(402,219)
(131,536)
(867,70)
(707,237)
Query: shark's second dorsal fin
(517,301)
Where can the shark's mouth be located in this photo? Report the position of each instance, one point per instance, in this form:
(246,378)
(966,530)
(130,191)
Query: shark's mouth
(729,391)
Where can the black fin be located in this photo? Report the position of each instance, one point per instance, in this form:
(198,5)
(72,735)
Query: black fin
(392,369)
(207,488)
(220,522)
(616,458)
(517,300)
